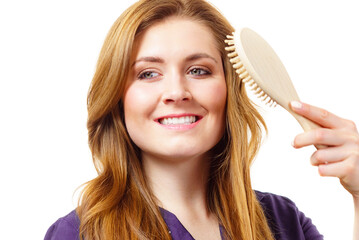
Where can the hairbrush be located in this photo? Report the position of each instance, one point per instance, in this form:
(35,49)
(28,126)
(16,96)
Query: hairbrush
(260,68)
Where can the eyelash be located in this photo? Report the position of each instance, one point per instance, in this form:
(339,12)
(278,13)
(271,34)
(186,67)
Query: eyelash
(142,75)
(206,72)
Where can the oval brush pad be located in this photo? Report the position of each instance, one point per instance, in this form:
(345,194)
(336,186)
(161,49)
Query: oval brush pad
(261,69)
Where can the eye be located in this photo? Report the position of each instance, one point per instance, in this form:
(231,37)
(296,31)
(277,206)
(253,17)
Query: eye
(199,72)
(148,75)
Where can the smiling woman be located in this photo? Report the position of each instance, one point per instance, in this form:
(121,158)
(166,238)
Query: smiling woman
(173,135)
(161,61)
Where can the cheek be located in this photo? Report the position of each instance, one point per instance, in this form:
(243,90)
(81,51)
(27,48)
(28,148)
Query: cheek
(136,107)
(215,96)
(219,99)
(219,96)
(135,110)
(139,100)
(134,97)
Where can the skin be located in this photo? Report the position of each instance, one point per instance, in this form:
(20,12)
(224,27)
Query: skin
(177,69)
(341,158)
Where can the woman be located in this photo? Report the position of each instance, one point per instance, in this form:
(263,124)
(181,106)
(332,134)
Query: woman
(173,135)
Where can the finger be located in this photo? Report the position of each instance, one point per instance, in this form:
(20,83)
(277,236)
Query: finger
(320,136)
(318,115)
(343,169)
(329,155)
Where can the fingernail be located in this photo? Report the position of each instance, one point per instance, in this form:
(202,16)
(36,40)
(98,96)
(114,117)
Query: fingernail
(296,104)
(292,143)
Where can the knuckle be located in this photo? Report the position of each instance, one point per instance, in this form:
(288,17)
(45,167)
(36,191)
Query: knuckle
(355,155)
(319,135)
(356,140)
(317,157)
(353,166)
(324,113)
(350,168)
(313,159)
(351,124)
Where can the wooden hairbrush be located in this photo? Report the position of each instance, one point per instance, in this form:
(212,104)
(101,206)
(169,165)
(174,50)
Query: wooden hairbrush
(260,68)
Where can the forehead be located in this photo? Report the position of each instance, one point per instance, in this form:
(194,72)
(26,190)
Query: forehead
(176,36)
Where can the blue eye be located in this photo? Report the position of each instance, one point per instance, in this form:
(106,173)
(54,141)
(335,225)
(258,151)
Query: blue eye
(199,72)
(148,75)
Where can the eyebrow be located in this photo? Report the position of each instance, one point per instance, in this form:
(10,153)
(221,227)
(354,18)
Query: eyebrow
(149,59)
(191,57)
(199,56)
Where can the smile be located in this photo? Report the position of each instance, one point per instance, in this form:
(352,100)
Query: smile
(187,120)
(179,121)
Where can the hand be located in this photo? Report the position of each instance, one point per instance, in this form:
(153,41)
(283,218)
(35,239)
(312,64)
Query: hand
(341,157)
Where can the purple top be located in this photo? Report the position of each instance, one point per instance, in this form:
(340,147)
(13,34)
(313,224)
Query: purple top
(284,219)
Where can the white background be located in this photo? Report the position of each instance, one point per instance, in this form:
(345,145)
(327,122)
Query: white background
(48,52)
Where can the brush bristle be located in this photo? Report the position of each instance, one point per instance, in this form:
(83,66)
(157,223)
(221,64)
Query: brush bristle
(243,73)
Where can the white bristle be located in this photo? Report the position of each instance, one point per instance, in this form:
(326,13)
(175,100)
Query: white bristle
(238,66)
(254,87)
(258,90)
(252,83)
(273,104)
(243,73)
(242,69)
(229,42)
(235,60)
(261,94)
(230,48)
(247,79)
(232,54)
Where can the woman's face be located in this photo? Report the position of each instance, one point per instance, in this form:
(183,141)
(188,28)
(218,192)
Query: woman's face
(175,101)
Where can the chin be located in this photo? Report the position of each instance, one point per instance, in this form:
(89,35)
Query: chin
(185,155)
(178,153)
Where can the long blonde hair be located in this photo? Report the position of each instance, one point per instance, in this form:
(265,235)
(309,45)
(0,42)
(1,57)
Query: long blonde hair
(118,204)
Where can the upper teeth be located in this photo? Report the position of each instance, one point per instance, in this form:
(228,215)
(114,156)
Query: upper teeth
(181,120)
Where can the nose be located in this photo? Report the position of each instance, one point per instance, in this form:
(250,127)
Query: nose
(176,91)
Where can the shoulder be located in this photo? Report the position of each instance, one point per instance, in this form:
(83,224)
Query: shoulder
(285,219)
(66,227)
(270,201)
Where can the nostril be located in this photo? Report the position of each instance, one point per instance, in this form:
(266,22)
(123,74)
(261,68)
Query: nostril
(169,100)
(176,96)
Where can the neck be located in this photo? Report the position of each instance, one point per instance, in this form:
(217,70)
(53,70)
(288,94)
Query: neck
(179,185)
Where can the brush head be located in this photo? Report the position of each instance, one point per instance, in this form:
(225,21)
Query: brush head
(259,66)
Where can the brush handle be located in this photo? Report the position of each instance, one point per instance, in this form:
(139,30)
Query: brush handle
(306,124)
